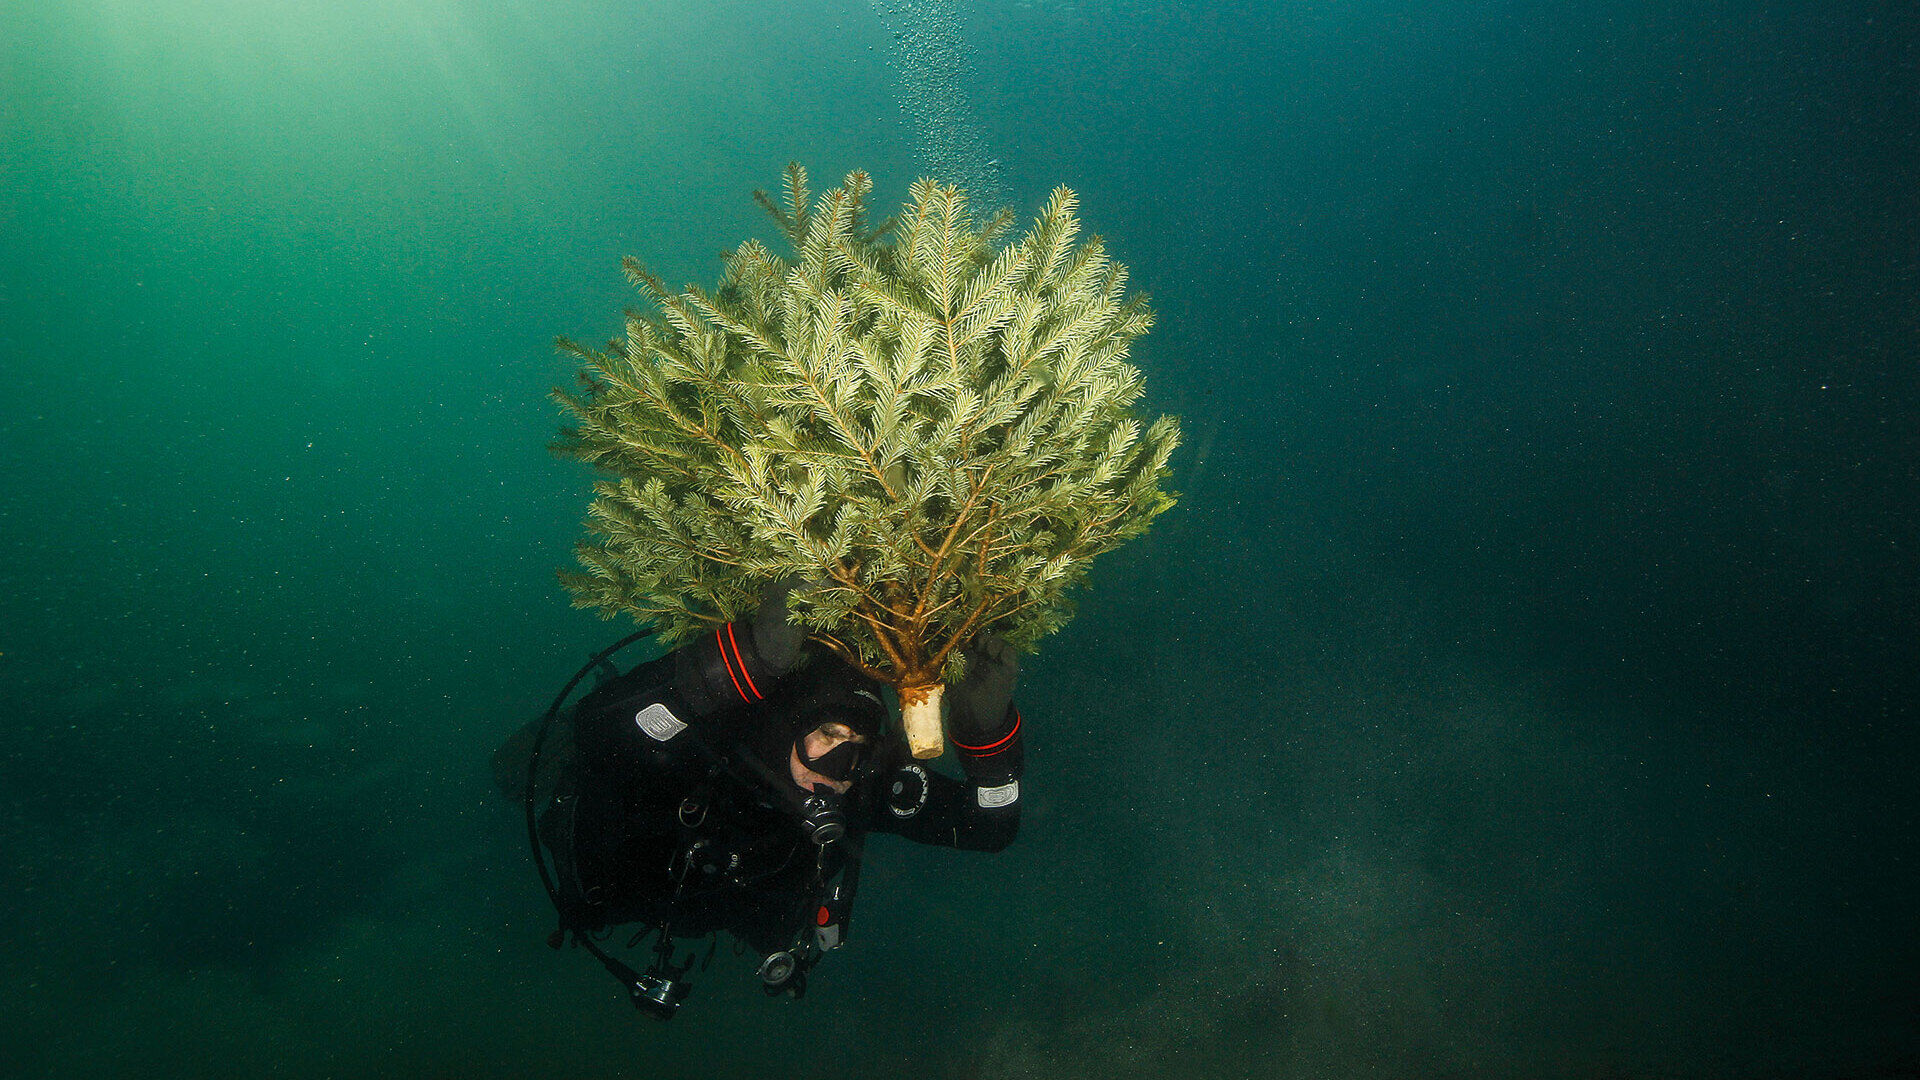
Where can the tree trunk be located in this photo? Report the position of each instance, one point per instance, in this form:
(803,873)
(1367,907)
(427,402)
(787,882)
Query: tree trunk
(920,715)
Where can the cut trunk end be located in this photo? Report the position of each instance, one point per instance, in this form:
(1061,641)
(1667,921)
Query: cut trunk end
(920,715)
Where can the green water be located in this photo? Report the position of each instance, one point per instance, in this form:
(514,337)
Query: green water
(1524,686)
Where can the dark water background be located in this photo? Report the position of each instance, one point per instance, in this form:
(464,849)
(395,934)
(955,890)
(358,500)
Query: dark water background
(1524,686)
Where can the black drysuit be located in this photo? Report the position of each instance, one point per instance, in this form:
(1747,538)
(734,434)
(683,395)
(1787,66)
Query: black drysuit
(670,811)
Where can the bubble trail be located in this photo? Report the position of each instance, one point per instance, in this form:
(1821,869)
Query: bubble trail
(931,55)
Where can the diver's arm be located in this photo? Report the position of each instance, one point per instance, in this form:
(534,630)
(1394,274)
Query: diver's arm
(980,813)
(985,729)
(930,807)
(705,685)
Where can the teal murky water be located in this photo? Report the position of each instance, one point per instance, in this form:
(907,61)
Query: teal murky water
(1523,688)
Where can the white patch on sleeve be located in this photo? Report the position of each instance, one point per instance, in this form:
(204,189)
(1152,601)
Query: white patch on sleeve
(1005,795)
(658,721)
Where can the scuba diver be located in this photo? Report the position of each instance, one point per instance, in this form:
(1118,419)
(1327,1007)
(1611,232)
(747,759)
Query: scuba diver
(732,785)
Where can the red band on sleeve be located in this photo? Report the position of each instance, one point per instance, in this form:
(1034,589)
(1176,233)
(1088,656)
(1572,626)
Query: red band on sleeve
(742,661)
(721,643)
(995,746)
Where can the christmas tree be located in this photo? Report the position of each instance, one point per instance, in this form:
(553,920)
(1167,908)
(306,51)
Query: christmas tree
(933,429)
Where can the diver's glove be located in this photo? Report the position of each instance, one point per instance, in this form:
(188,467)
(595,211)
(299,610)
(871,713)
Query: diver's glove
(981,719)
(740,662)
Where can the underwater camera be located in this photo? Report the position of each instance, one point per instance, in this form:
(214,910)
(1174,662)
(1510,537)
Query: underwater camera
(659,996)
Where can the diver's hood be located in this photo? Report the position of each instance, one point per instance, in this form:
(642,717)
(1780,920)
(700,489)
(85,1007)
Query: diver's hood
(827,691)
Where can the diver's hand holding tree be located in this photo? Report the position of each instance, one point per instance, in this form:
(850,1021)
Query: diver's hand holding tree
(934,431)
(739,661)
(981,719)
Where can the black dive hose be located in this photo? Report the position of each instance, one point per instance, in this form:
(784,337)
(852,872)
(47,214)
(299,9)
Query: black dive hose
(533,770)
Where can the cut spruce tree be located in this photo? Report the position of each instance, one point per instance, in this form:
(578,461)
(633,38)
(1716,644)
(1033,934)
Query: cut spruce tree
(933,429)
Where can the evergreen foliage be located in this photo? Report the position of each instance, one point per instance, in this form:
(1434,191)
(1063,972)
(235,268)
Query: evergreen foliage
(933,429)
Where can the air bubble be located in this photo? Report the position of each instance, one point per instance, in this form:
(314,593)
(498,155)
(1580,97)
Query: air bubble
(932,57)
